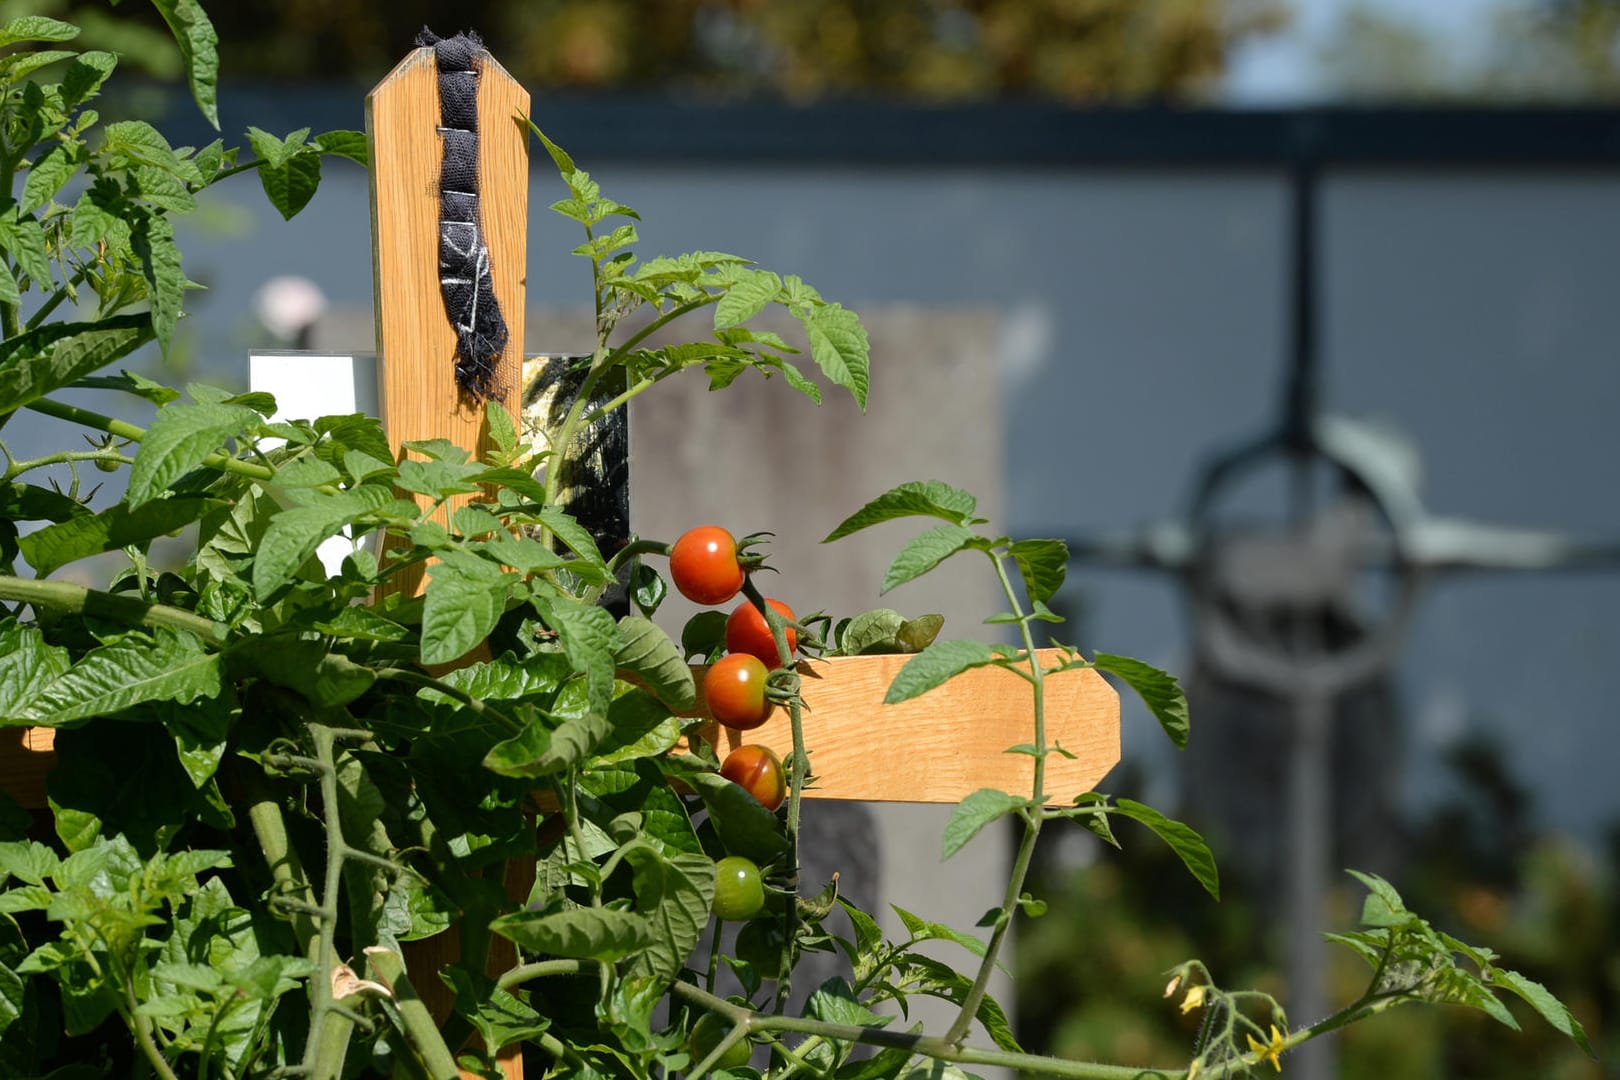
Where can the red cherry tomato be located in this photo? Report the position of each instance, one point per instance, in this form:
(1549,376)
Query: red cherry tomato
(734,687)
(747,632)
(704,566)
(758,771)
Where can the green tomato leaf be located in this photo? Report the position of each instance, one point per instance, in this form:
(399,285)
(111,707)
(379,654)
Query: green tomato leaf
(1043,564)
(674,893)
(24,240)
(109,679)
(917,634)
(178,440)
(84,78)
(1539,998)
(924,930)
(602,934)
(291,185)
(934,665)
(574,536)
(27,666)
(293,535)
(974,813)
(345,143)
(1158,690)
(526,754)
(913,499)
(922,553)
(464,599)
(745,827)
(872,633)
(49,172)
(1383,907)
(590,639)
(152,240)
(499,1016)
(650,655)
(839,347)
(751,290)
(326,679)
(115,528)
(198,48)
(1187,844)
(36,28)
(28,860)
(40,361)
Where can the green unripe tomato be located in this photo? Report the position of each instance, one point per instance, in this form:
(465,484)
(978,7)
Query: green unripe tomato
(706,1035)
(738,891)
(759,945)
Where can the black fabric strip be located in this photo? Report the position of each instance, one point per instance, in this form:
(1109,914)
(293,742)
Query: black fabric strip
(464,278)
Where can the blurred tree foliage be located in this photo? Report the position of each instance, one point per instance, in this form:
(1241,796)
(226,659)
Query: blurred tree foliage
(1553,51)
(924,50)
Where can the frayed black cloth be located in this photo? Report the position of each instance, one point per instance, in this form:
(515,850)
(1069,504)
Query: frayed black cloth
(464,277)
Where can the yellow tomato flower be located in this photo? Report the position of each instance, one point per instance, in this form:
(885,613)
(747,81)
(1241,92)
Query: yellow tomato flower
(1194,998)
(1271,1051)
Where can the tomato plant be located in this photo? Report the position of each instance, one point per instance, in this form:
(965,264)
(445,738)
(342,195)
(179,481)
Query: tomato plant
(757,770)
(739,892)
(748,632)
(734,688)
(703,565)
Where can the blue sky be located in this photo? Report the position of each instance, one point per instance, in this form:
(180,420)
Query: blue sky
(1282,70)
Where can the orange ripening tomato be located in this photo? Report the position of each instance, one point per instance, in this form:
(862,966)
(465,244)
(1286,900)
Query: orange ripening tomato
(734,687)
(747,632)
(758,771)
(703,564)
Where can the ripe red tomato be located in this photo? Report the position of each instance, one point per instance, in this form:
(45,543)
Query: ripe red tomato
(758,771)
(747,632)
(704,566)
(738,891)
(734,687)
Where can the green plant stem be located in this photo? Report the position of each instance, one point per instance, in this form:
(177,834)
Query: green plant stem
(602,361)
(420,1030)
(799,774)
(631,550)
(124,430)
(930,1046)
(1032,822)
(53,302)
(325,947)
(17,468)
(540,969)
(76,599)
(143,1035)
(286,868)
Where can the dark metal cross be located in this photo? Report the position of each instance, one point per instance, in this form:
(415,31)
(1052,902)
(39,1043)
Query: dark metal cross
(1281,607)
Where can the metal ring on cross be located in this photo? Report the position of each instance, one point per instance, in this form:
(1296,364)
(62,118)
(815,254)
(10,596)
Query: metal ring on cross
(1262,596)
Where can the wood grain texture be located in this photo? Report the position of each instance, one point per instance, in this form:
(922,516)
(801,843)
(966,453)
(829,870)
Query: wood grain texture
(27,755)
(417,390)
(946,744)
(416,345)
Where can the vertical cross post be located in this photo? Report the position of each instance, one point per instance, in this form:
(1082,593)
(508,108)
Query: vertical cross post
(416,343)
(418,392)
